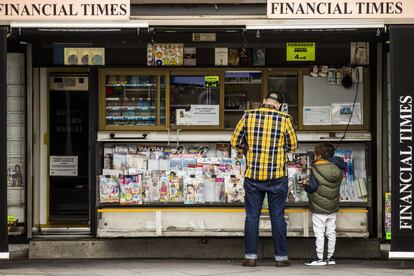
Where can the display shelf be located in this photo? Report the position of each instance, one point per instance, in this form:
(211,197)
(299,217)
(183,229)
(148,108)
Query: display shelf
(140,108)
(243,82)
(132,99)
(220,205)
(131,85)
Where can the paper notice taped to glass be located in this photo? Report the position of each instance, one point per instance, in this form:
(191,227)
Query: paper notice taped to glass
(207,115)
(63,166)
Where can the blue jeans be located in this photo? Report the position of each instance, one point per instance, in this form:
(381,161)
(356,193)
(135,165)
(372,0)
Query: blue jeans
(276,191)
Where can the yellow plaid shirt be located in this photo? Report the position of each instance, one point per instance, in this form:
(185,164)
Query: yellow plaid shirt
(265,135)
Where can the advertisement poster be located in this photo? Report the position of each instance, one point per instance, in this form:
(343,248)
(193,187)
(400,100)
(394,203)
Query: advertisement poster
(342,112)
(165,54)
(316,115)
(207,115)
(300,51)
(97,56)
(71,56)
(63,166)
(190,58)
(221,56)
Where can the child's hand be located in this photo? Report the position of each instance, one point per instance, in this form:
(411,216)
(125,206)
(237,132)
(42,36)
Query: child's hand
(305,181)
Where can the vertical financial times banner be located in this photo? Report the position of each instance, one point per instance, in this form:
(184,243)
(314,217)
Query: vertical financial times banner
(402,59)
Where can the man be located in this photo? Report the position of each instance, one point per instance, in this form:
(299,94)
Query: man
(265,135)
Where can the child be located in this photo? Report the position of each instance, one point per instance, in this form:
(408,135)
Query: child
(323,186)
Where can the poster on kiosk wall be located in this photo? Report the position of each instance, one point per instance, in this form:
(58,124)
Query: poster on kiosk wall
(402,228)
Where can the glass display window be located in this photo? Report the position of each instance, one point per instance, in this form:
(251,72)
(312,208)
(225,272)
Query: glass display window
(287,83)
(243,90)
(196,100)
(132,100)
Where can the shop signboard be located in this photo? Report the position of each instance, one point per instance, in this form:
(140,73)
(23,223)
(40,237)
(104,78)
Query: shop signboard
(300,51)
(402,171)
(41,10)
(340,9)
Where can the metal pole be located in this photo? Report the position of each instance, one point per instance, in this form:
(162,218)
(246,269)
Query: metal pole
(4,244)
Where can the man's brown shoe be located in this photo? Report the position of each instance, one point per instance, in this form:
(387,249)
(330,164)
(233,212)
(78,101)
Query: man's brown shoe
(282,263)
(249,262)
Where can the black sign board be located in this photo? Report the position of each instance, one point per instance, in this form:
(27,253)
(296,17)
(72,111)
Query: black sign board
(402,59)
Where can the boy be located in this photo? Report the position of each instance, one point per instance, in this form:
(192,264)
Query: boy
(323,186)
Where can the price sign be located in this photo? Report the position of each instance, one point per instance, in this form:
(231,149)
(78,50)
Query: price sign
(211,81)
(300,51)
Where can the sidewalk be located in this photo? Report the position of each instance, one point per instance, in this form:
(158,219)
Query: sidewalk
(196,267)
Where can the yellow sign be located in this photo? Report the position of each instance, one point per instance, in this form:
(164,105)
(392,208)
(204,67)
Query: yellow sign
(300,51)
(211,81)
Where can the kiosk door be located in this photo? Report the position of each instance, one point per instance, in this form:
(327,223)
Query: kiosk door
(68,149)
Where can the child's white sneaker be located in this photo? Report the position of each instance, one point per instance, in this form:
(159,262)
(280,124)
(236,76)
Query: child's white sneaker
(318,262)
(330,261)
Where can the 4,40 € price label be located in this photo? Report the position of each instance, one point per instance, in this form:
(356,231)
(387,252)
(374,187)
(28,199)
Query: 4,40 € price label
(300,51)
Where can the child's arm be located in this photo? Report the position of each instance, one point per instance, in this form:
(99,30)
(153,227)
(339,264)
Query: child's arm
(312,184)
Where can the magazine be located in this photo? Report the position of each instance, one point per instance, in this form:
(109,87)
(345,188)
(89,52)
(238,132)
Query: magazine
(220,190)
(137,163)
(145,188)
(193,189)
(348,192)
(164,183)
(210,189)
(223,150)
(119,161)
(234,188)
(108,189)
(130,187)
(175,188)
(155,186)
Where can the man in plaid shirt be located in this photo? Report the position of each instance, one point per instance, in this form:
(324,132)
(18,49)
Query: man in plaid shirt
(265,135)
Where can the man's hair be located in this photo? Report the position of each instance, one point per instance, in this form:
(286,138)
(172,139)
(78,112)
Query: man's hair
(325,150)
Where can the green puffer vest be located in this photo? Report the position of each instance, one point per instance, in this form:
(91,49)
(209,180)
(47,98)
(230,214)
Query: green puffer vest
(325,200)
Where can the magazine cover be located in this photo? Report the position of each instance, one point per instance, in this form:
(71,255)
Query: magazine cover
(108,189)
(193,189)
(245,56)
(190,57)
(259,56)
(297,171)
(145,188)
(348,192)
(176,162)
(119,161)
(130,188)
(175,188)
(144,150)
(210,189)
(234,188)
(164,183)
(137,163)
(220,190)
(234,58)
(121,149)
(189,162)
(155,186)
(157,152)
(223,150)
